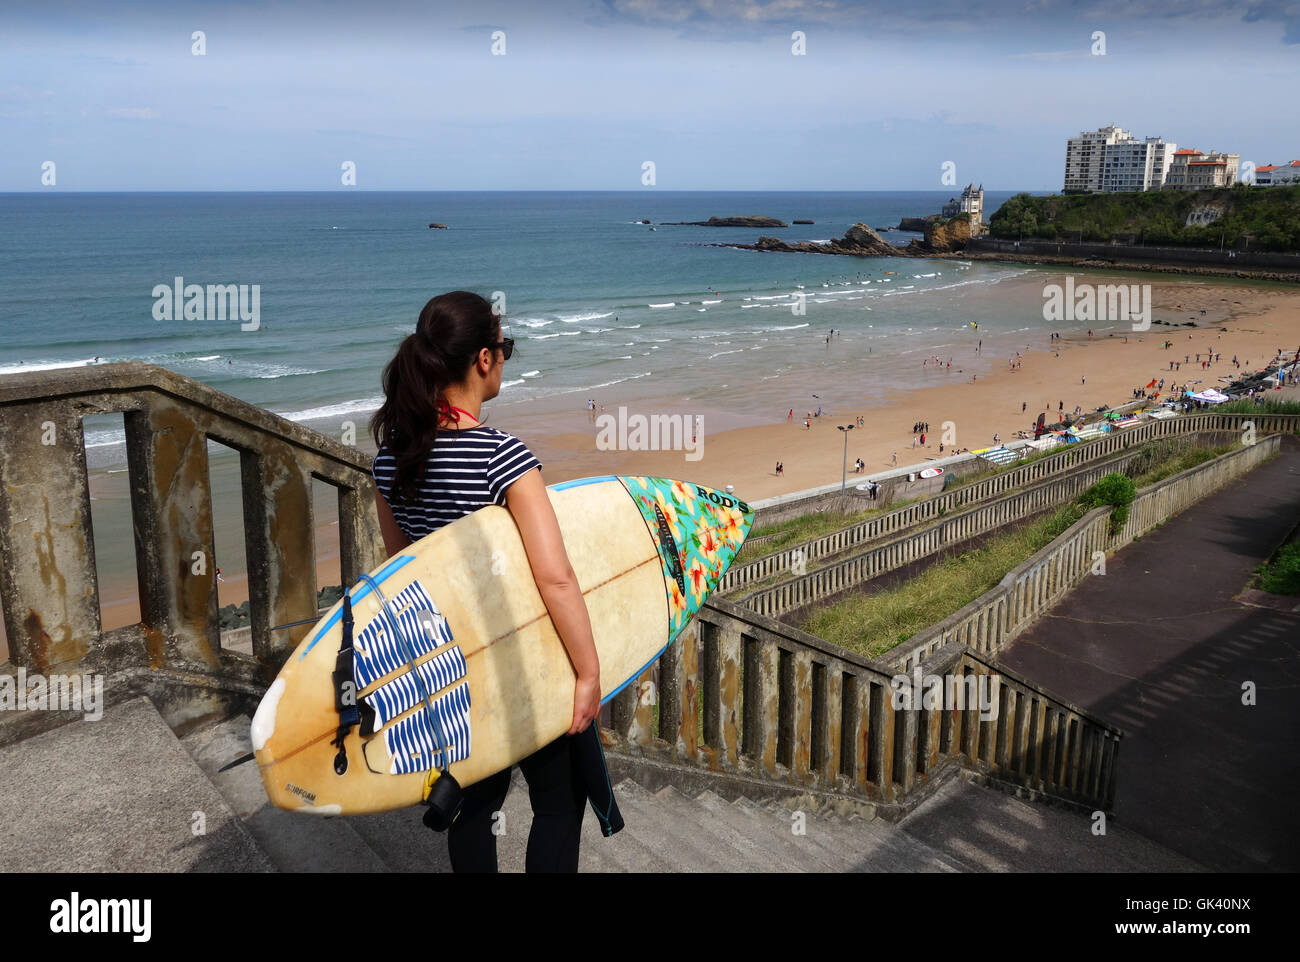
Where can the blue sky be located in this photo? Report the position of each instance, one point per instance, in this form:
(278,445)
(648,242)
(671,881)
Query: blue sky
(587,90)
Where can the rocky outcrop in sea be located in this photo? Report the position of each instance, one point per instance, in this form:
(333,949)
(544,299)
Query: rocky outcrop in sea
(728,222)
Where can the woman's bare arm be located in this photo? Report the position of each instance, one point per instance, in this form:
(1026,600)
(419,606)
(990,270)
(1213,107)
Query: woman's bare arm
(558,585)
(394,540)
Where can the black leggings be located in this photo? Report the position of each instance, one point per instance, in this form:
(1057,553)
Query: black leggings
(559,798)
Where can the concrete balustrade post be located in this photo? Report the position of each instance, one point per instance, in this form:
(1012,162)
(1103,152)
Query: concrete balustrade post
(171,501)
(687,712)
(48,581)
(281,548)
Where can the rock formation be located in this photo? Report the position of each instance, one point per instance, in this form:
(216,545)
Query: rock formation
(860,240)
(729,222)
(917,224)
(436,226)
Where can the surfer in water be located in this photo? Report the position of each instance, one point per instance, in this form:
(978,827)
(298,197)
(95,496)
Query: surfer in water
(431,420)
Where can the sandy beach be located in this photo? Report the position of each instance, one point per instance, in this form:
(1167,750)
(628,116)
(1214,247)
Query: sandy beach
(1252,323)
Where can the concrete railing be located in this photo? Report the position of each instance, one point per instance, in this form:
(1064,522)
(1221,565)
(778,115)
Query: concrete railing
(797,592)
(992,620)
(48,584)
(1067,459)
(745,695)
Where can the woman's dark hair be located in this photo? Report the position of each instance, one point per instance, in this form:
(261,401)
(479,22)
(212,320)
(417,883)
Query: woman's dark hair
(451,331)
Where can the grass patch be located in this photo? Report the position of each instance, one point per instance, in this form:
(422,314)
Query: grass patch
(1281,576)
(873,624)
(1181,461)
(1267,406)
(810,526)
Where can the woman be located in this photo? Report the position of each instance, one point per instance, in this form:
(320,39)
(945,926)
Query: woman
(437,462)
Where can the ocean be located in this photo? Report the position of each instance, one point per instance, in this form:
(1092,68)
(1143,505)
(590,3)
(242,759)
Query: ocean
(600,306)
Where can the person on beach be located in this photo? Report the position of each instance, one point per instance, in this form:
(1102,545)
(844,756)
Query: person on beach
(220,580)
(437,462)
(895,458)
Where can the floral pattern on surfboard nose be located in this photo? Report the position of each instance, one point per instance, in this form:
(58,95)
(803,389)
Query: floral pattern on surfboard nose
(698,531)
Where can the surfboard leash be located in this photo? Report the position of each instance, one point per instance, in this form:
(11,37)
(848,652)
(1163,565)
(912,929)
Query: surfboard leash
(345,689)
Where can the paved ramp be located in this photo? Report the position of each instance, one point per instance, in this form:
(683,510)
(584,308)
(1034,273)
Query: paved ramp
(1161,646)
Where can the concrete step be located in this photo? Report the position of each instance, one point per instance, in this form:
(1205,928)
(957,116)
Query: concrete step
(784,850)
(120,794)
(656,823)
(987,830)
(294,842)
(870,845)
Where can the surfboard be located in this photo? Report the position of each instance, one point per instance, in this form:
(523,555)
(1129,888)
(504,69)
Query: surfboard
(931,472)
(453,646)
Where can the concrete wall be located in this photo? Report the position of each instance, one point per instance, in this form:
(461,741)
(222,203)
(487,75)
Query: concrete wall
(1128,252)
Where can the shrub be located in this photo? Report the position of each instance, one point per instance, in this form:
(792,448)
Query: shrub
(1116,490)
(1281,576)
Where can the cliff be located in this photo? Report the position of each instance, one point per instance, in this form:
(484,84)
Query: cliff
(1238,218)
(943,236)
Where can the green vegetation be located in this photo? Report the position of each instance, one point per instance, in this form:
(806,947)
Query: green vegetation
(1114,489)
(1281,576)
(809,526)
(1268,406)
(873,624)
(1189,458)
(1265,219)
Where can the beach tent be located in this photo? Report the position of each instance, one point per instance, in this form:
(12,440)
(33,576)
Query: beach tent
(1090,432)
(1047,442)
(1211,396)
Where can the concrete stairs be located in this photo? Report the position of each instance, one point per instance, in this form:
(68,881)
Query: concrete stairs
(120,795)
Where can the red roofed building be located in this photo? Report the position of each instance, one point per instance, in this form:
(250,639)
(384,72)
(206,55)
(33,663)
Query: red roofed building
(1192,169)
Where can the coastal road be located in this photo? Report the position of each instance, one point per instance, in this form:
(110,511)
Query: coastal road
(1161,646)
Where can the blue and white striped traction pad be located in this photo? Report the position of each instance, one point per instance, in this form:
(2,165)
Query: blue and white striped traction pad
(410,742)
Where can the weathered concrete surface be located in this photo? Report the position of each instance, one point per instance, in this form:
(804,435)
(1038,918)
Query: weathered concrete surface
(1161,647)
(115,795)
(676,823)
(988,831)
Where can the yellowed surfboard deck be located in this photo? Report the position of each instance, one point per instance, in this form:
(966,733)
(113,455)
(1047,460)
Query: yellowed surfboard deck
(463,608)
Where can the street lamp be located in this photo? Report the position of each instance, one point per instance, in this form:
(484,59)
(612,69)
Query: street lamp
(844,479)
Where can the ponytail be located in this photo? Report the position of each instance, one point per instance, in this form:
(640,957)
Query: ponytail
(452,329)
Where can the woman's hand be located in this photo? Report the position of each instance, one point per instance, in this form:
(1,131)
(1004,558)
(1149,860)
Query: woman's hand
(586,703)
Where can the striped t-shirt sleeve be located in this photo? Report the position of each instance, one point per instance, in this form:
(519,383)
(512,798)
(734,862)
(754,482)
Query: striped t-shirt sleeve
(510,463)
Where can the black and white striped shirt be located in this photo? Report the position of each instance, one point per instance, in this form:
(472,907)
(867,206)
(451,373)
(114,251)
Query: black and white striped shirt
(465,470)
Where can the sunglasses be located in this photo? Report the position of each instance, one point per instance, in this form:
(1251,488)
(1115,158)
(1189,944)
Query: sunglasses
(507,345)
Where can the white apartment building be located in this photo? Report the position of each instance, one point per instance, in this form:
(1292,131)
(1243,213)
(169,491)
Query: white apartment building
(1136,164)
(1085,156)
(1275,176)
